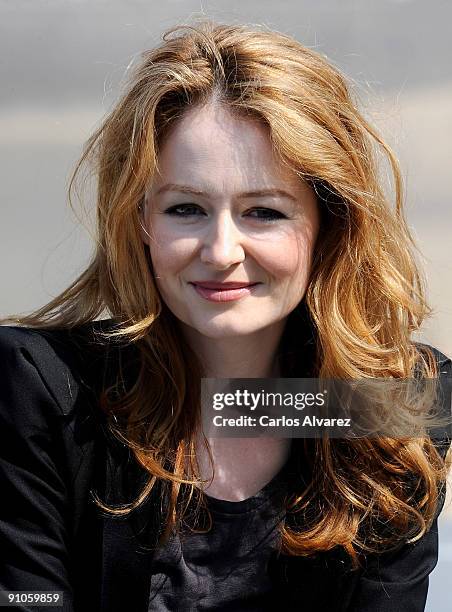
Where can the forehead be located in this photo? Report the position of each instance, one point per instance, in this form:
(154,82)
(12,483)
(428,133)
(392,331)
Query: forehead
(209,143)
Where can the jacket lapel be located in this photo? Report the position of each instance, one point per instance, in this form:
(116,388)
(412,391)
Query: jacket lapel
(129,541)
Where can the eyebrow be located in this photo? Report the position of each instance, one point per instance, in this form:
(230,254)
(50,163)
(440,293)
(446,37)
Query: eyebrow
(258,193)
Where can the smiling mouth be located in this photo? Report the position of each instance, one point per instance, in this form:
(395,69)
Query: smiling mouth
(223,292)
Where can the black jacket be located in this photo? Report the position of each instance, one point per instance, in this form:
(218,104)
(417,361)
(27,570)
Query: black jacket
(55,449)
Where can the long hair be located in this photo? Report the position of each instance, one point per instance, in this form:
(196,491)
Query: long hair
(365,297)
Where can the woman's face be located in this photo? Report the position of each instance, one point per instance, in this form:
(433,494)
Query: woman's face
(233,229)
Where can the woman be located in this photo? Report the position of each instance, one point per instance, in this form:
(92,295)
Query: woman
(242,233)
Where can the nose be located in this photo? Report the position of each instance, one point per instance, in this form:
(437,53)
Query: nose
(222,244)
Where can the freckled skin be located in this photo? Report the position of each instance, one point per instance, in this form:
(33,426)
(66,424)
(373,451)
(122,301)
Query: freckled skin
(224,156)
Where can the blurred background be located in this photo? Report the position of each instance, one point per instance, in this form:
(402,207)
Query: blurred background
(62,65)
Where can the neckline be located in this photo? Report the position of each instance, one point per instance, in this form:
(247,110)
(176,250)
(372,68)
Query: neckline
(270,490)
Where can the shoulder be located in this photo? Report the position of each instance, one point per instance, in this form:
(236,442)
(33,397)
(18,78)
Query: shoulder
(50,385)
(68,340)
(63,362)
(440,431)
(444,370)
(443,362)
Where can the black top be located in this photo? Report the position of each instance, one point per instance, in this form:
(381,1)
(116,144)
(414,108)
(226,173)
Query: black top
(55,450)
(226,568)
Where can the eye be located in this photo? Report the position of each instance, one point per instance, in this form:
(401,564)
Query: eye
(184,210)
(266,214)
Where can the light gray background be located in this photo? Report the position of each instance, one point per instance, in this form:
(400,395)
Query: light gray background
(61,67)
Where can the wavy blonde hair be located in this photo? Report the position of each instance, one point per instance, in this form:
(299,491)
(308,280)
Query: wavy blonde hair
(365,298)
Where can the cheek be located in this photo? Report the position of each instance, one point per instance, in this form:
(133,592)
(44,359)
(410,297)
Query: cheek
(170,256)
(170,249)
(289,258)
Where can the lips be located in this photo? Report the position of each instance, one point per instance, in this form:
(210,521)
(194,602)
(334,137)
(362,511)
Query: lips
(223,292)
(222,286)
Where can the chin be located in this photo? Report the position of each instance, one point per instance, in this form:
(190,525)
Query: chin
(225,330)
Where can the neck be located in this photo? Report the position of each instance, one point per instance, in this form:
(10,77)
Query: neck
(250,356)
